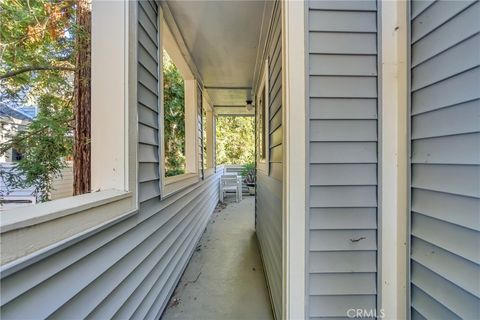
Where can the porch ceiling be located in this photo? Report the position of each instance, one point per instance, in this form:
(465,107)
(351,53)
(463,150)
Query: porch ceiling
(222,38)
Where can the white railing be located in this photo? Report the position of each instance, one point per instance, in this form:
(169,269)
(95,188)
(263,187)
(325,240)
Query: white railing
(237,169)
(234,168)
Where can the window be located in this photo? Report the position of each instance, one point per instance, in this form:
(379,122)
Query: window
(42,137)
(113,147)
(16,156)
(262,121)
(173,117)
(180,136)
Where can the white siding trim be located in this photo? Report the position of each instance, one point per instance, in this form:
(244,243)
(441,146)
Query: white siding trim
(53,222)
(263,164)
(110,155)
(294,187)
(191,127)
(210,123)
(392,259)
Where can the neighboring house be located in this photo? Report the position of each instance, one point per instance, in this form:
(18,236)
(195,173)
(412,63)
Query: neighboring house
(10,197)
(62,187)
(368,160)
(13,120)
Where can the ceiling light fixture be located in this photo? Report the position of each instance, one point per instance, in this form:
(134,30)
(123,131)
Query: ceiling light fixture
(249,105)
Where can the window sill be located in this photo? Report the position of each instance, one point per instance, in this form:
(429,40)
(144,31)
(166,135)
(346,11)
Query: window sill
(177,183)
(28,229)
(31,215)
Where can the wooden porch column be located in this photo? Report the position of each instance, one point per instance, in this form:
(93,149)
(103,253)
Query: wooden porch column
(109,112)
(211,135)
(191,127)
(393,284)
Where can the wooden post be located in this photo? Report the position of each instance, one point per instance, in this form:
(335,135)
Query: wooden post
(82,103)
(210,140)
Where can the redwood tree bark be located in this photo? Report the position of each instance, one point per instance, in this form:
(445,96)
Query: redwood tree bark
(82,101)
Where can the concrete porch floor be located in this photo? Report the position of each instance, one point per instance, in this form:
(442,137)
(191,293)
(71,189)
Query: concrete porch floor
(225,277)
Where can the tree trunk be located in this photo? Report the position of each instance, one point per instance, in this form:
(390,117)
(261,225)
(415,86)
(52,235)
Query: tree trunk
(82,102)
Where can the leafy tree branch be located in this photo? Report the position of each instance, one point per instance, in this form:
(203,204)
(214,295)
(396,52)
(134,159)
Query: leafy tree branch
(38,53)
(235,140)
(34,68)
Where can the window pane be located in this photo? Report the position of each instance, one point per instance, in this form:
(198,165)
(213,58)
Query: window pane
(174,117)
(45,114)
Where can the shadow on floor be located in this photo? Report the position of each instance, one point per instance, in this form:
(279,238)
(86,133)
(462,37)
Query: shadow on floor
(224,279)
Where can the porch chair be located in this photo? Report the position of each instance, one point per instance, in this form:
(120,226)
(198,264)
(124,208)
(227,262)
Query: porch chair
(231,182)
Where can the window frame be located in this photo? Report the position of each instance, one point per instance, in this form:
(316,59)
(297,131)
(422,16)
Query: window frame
(40,230)
(263,162)
(173,184)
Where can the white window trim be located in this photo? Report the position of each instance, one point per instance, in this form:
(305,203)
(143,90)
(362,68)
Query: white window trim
(263,163)
(393,238)
(36,230)
(294,99)
(171,185)
(210,136)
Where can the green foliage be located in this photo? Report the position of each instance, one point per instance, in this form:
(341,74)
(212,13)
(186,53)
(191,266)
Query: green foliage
(37,57)
(235,140)
(248,173)
(44,146)
(174,118)
(38,36)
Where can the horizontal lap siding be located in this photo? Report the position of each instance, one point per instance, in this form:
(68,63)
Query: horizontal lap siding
(269,187)
(445,159)
(129,269)
(343,157)
(63,185)
(200,131)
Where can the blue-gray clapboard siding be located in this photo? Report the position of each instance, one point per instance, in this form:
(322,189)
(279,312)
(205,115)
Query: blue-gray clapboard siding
(148,106)
(342,66)
(126,271)
(269,187)
(201,137)
(445,159)
(130,269)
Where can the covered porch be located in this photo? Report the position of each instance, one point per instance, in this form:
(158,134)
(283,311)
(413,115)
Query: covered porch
(231,55)
(224,278)
(146,237)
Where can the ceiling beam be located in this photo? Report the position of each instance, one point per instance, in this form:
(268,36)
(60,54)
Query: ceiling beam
(227,88)
(233,111)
